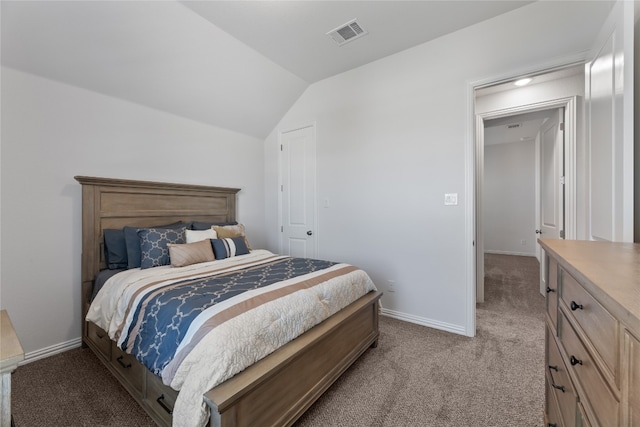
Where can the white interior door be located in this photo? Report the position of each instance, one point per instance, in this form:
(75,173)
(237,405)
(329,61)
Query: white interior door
(609,113)
(552,177)
(552,194)
(298,187)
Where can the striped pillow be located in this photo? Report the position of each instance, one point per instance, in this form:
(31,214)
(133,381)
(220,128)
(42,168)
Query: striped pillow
(228,247)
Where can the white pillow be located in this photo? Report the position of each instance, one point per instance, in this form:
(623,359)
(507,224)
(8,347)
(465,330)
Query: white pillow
(198,235)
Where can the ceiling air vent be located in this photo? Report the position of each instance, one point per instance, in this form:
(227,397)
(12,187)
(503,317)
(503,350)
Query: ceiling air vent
(347,32)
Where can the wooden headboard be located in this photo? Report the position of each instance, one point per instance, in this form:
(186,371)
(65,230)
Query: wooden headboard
(115,203)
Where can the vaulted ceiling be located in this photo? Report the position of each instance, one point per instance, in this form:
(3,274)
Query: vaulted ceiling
(239,65)
(293,33)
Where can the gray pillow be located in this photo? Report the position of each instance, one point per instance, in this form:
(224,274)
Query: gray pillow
(115,249)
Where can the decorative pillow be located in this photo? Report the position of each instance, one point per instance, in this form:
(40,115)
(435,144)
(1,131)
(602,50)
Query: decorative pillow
(198,225)
(153,245)
(115,249)
(190,253)
(132,241)
(231,231)
(228,247)
(197,235)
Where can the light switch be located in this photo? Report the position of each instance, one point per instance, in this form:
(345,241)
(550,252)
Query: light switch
(325,203)
(451,199)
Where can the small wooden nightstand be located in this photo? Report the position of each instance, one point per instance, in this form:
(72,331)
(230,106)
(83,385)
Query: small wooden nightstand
(11,354)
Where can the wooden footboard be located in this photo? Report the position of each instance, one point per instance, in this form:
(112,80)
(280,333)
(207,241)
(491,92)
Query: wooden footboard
(277,390)
(281,387)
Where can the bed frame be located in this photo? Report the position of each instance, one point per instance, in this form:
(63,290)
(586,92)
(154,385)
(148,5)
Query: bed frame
(277,390)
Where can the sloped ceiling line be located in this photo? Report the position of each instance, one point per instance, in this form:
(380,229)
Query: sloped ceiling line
(230,64)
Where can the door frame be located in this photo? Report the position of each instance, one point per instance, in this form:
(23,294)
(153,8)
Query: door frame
(281,131)
(569,104)
(471,168)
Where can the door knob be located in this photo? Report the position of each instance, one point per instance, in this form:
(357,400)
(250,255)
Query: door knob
(309,233)
(538,231)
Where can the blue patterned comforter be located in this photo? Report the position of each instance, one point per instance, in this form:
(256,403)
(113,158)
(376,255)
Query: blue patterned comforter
(164,314)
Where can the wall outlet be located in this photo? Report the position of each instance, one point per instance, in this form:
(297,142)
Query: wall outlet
(523,242)
(391,286)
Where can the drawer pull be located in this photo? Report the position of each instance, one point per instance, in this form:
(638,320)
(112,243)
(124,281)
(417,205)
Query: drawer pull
(550,290)
(552,425)
(575,306)
(119,360)
(553,382)
(100,334)
(160,401)
(574,361)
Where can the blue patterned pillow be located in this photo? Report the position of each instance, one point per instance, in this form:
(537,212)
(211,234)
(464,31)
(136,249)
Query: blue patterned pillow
(228,247)
(153,245)
(132,242)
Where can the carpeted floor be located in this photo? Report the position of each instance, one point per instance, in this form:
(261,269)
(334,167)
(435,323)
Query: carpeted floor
(417,376)
(425,377)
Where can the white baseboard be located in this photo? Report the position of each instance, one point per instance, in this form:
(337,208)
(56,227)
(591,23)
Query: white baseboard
(509,253)
(448,327)
(32,356)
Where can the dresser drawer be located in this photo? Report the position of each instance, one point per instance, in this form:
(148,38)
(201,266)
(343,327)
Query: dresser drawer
(100,339)
(560,383)
(632,367)
(583,421)
(131,370)
(552,414)
(597,393)
(160,398)
(552,290)
(599,325)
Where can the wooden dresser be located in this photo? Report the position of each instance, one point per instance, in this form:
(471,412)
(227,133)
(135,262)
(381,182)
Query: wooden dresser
(592,333)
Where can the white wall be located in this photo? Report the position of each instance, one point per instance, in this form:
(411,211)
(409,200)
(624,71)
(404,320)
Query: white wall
(52,132)
(531,94)
(509,198)
(636,85)
(394,136)
(160,54)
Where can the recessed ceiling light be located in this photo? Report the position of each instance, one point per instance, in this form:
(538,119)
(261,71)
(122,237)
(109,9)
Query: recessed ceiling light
(522,82)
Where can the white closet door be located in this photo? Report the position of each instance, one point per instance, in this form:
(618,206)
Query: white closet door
(298,187)
(609,112)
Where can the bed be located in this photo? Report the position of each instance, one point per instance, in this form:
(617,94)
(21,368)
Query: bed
(274,391)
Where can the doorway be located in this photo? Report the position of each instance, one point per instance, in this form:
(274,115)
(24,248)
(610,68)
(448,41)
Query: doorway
(567,174)
(523,194)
